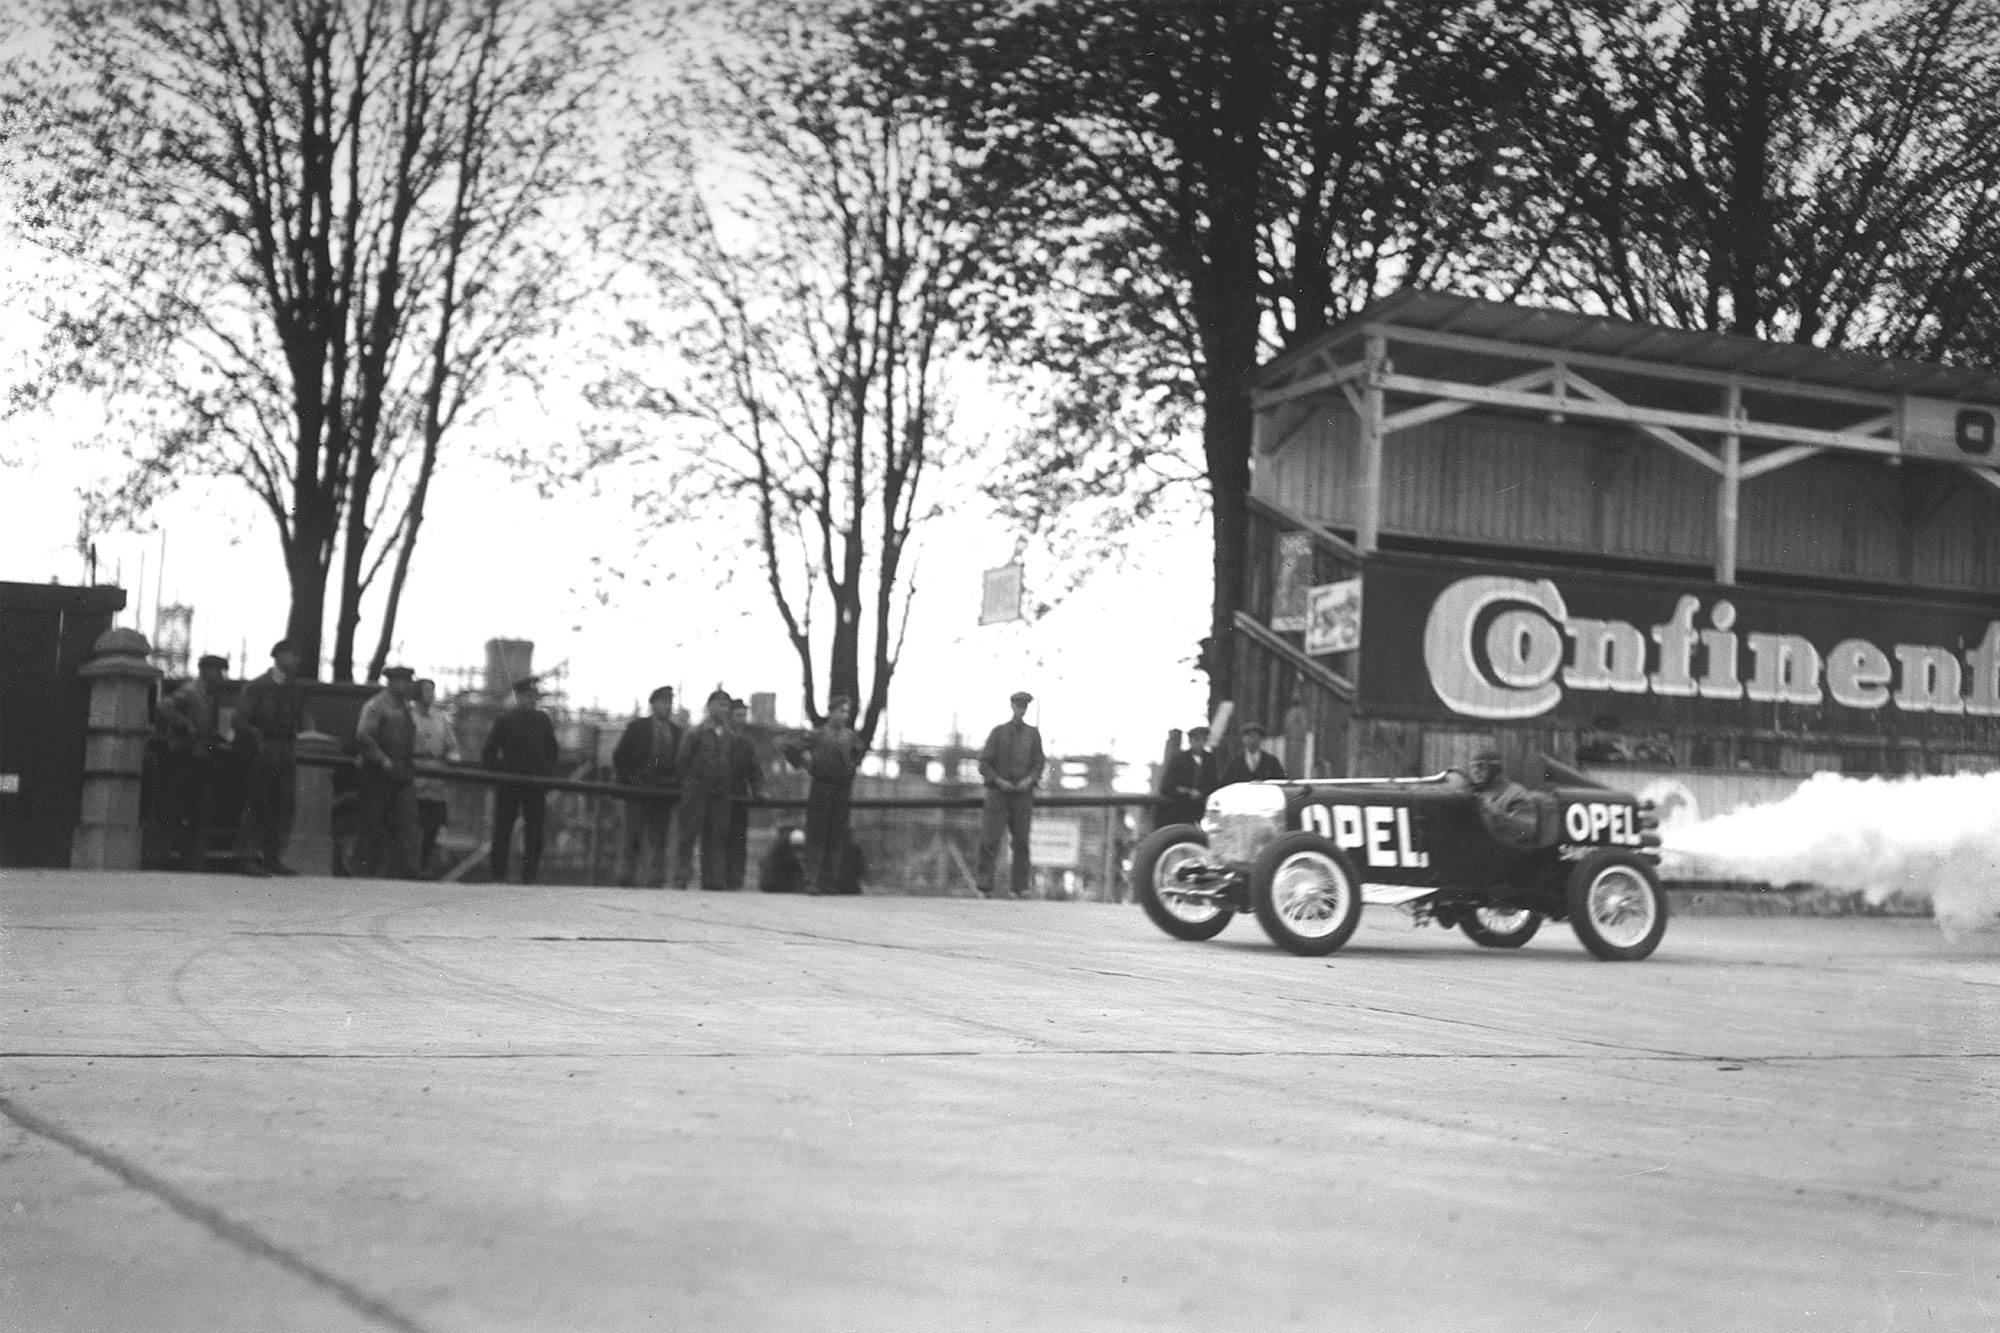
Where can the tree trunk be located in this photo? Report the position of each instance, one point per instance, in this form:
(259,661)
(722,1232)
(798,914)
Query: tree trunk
(397,577)
(353,551)
(1225,436)
(307,574)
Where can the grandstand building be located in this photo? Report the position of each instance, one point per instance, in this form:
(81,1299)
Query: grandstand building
(1620,544)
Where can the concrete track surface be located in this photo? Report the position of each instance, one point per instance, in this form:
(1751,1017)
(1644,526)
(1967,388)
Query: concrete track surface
(278,1105)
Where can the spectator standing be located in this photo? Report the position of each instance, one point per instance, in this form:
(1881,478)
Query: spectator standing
(829,755)
(523,741)
(1011,764)
(703,765)
(1185,782)
(645,758)
(385,737)
(270,714)
(1249,762)
(437,743)
(189,717)
(745,786)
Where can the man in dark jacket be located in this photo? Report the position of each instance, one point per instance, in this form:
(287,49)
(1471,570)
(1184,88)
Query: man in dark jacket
(270,714)
(523,740)
(188,716)
(645,758)
(1011,763)
(1249,762)
(1185,782)
(703,765)
(829,755)
(745,786)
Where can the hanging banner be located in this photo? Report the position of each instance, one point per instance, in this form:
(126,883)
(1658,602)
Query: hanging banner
(1333,618)
(1291,585)
(1000,595)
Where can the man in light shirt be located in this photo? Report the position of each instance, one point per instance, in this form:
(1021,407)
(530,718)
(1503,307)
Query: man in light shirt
(436,744)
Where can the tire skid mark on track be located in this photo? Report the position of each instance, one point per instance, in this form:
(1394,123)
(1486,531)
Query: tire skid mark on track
(177,993)
(213,1220)
(386,949)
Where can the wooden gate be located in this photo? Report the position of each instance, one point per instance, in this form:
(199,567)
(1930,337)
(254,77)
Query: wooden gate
(46,634)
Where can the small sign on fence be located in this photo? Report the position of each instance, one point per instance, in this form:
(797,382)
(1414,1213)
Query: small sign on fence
(1055,844)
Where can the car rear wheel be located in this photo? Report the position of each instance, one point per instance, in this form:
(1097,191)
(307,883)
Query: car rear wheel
(1306,894)
(1616,906)
(1499,928)
(1164,897)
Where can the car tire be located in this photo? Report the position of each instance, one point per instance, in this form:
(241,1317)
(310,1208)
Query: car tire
(1306,894)
(1152,861)
(1497,928)
(1616,906)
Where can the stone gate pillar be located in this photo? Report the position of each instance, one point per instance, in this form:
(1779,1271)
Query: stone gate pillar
(114,752)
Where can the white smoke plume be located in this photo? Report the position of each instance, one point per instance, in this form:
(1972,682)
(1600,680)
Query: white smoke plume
(1933,837)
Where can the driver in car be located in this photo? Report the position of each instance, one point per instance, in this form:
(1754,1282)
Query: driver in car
(1507,808)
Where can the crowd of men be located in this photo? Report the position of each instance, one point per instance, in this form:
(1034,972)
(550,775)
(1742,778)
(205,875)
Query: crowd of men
(691,786)
(1190,775)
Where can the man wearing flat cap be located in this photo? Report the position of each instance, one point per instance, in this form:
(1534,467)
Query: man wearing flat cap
(270,714)
(188,717)
(1011,763)
(1186,779)
(1248,761)
(705,766)
(385,738)
(645,758)
(523,741)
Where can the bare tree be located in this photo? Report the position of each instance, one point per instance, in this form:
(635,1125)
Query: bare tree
(311,238)
(1817,170)
(809,268)
(1186,187)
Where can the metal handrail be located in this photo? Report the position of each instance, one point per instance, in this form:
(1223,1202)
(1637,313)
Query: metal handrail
(1053,800)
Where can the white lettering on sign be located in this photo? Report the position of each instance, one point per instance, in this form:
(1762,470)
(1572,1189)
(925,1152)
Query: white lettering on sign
(1499,647)
(1380,832)
(1601,821)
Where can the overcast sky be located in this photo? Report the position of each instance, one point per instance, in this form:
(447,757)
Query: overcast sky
(496,560)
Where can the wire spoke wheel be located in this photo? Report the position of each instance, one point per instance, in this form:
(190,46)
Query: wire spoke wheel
(1309,894)
(1501,927)
(1616,906)
(1172,891)
(1169,900)
(1621,906)
(1306,894)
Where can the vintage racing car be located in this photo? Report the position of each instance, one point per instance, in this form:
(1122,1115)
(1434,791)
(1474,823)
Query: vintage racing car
(1304,856)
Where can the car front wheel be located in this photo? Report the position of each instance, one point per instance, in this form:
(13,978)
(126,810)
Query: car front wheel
(1306,894)
(1160,891)
(1616,906)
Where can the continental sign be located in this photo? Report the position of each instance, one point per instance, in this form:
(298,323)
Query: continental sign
(1490,642)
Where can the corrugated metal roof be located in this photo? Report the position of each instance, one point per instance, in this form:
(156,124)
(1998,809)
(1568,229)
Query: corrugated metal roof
(1565,330)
